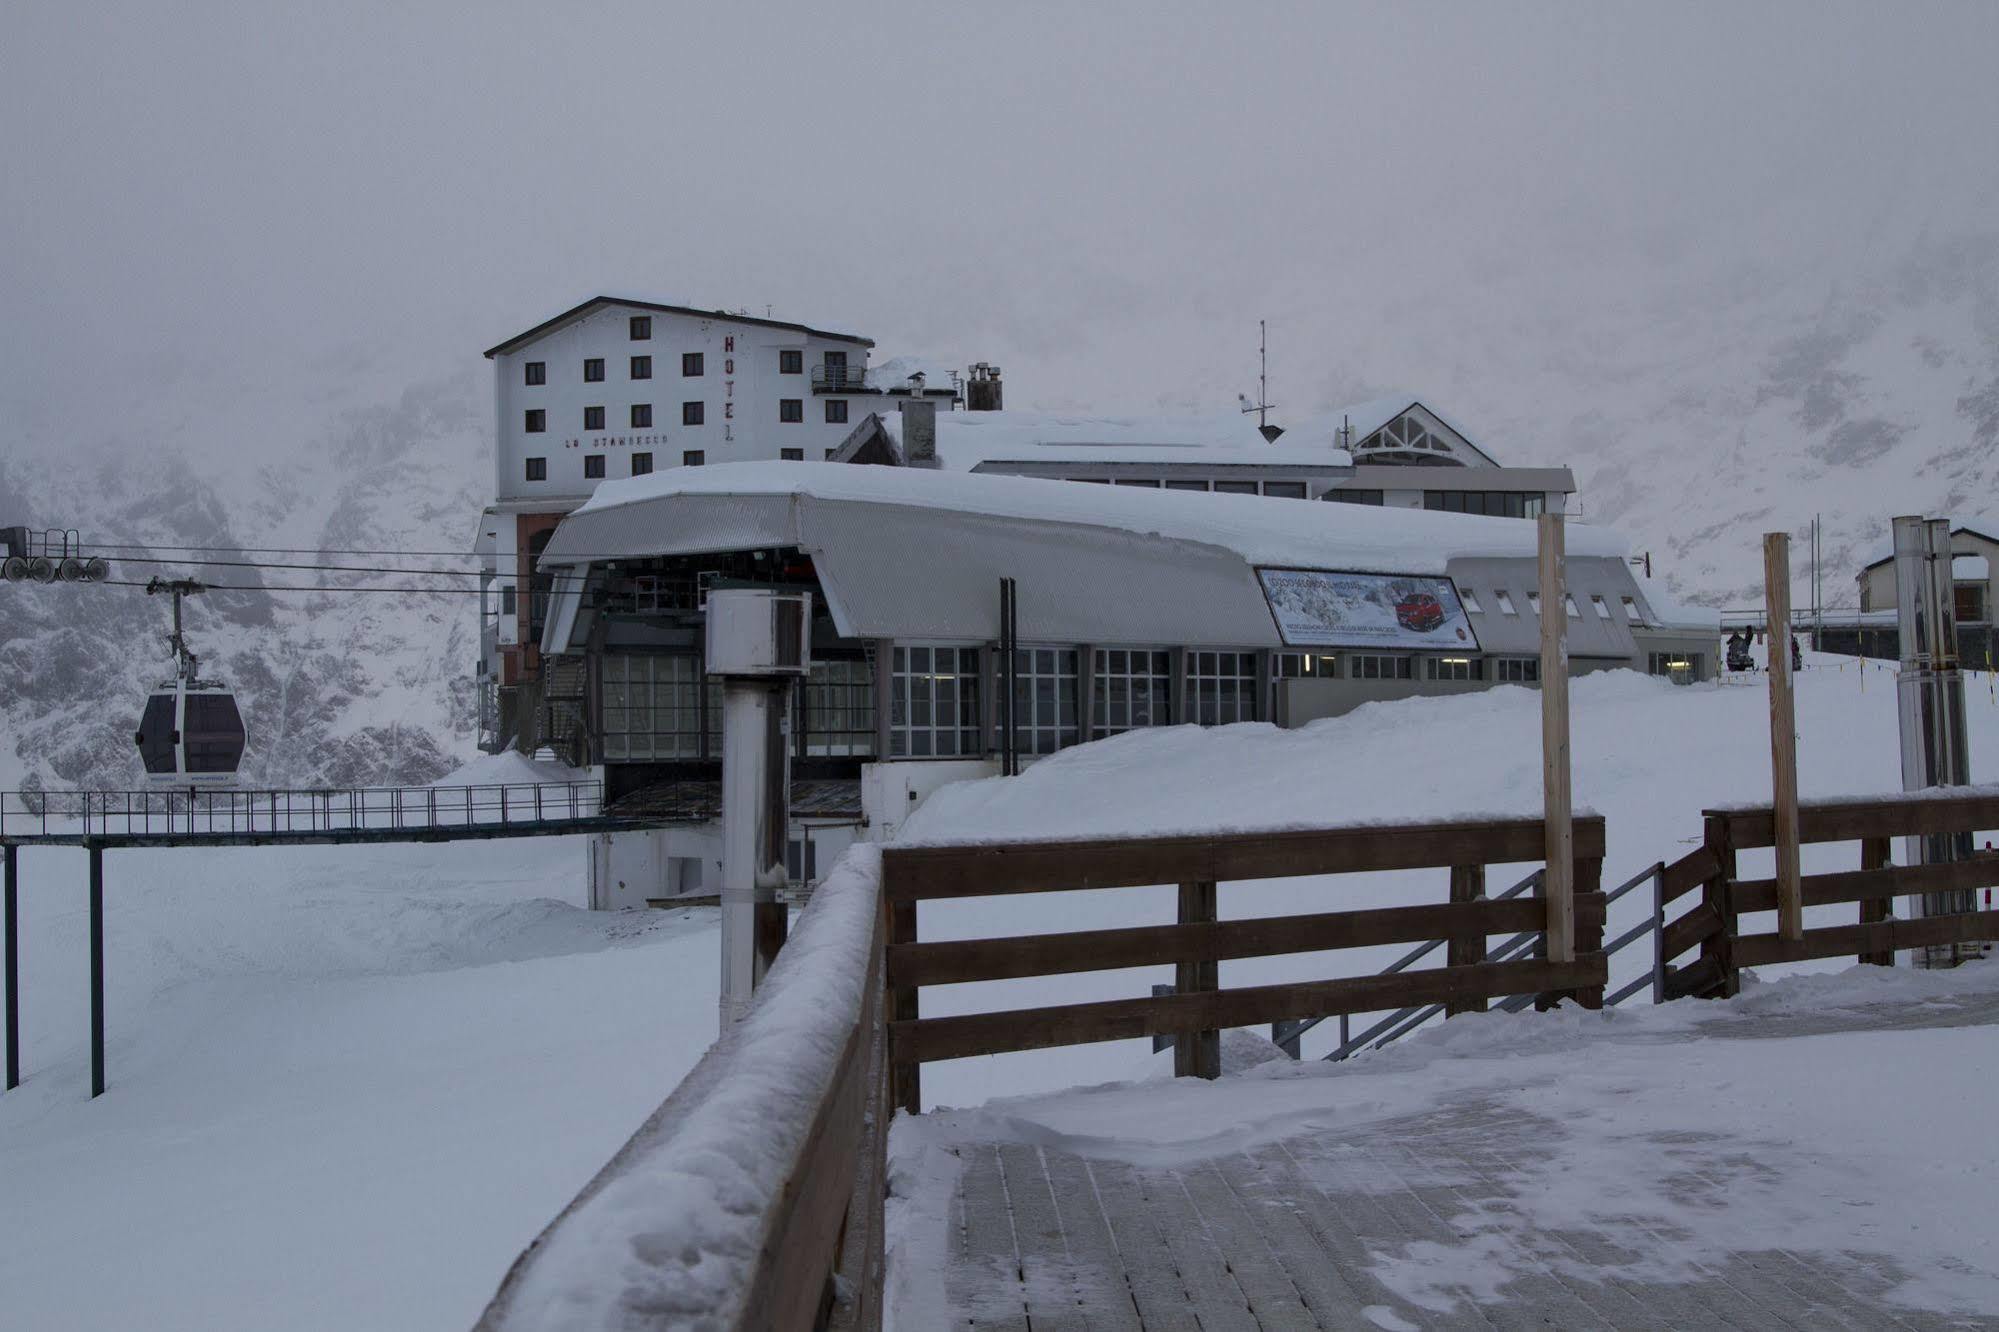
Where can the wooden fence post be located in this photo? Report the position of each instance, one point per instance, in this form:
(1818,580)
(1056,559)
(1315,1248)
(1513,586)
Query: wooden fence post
(906,1076)
(1558,827)
(1464,950)
(1715,895)
(1197,1054)
(1589,938)
(1783,734)
(1874,855)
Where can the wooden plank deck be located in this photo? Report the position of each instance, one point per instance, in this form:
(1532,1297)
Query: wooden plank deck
(1301,1232)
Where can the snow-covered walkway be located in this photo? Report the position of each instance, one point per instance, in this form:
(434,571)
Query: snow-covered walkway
(1814,1154)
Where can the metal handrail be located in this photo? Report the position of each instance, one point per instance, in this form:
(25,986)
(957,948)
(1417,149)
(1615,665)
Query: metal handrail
(839,378)
(253,811)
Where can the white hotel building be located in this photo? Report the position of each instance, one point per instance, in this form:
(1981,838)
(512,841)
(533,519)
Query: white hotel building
(617,387)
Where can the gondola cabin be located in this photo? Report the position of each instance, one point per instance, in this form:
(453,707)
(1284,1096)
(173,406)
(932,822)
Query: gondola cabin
(191,735)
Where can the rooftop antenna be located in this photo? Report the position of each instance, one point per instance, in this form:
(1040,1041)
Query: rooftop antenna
(1262,404)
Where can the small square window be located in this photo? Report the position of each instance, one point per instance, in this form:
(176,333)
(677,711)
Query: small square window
(693,413)
(791,362)
(836,411)
(690,364)
(693,458)
(791,409)
(1570,603)
(1505,600)
(641,464)
(593,418)
(537,469)
(536,421)
(642,367)
(536,373)
(593,467)
(641,327)
(641,416)
(1602,606)
(1470,600)
(593,370)
(791,455)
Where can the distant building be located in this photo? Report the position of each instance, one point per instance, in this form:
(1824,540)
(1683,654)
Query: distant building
(1874,631)
(618,387)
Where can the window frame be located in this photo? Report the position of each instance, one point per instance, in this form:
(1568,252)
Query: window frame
(534,374)
(534,421)
(791,360)
(640,367)
(693,457)
(1116,683)
(918,724)
(694,412)
(593,417)
(791,455)
(836,411)
(791,411)
(1221,687)
(693,365)
(593,467)
(641,328)
(535,469)
(641,416)
(593,369)
(642,464)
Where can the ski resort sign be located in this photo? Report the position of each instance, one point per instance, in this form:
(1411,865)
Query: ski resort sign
(1320,608)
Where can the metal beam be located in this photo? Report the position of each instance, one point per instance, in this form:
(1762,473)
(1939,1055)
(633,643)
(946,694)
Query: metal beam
(346,836)
(11,911)
(96,970)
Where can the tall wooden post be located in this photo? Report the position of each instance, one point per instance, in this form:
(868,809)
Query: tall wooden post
(1197,1054)
(1783,734)
(1559,829)
(1465,950)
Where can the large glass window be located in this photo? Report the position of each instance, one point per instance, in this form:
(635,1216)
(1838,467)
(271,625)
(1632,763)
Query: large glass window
(1221,687)
(1517,670)
(1454,668)
(1354,496)
(1682,668)
(1492,503)
(1133,688)
(653,706)
(1377,666)
(1045,708)
(1305,666)
(934,703)
(836,709)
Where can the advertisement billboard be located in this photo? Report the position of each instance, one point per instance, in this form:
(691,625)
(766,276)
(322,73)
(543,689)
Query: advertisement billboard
(1321,608)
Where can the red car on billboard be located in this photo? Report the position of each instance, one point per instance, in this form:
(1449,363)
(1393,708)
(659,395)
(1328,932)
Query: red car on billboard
(1420,612)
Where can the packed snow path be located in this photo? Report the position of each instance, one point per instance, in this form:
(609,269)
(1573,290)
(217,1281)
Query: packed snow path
(1808,1156)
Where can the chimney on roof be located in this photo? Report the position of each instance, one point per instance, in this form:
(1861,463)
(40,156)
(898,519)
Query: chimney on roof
(919,432)
(982,391)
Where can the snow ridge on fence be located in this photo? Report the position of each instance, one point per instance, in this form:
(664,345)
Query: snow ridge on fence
(669,1232)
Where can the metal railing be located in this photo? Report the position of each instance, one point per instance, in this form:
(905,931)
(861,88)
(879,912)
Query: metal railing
(839,378)
(211,811)
(1403,1021)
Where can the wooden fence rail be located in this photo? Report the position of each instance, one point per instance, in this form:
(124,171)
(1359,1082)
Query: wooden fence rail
(1199,1008)
(1713,924)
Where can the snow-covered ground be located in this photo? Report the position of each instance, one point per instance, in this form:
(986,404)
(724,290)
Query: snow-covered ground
(1682,1137)
(1648,755)
(347,1084)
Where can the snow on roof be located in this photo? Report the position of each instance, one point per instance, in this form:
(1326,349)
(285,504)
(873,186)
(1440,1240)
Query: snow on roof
(668,307)
(966,440)
(894,373)
(1301,533)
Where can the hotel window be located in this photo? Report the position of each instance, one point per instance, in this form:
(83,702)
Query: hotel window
(1132,688)
(536,420)
(693,458)
(537,469)
(1305,666)
(641,328)
(1602,606)
(1505,600)
(791,362)
(1968,600)
(641,416)
(642,367)
(1046,715)
(641,464)
(536,373)
(593,467)
(1517,670)
(1470,600)
(1221,687)
(1235,487)
(1284,489)
(1186,485)
(1375,497)
(1454,668)
(1631,611)
(593,370)
(836,363)
(835,713)
(653,706)
(593,418)
(934,703)
(791,455)
(690,364)
(1375,666)
(693,413)
(836,411)
(791,410)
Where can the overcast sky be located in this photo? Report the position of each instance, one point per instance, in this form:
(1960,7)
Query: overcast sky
(1102,198)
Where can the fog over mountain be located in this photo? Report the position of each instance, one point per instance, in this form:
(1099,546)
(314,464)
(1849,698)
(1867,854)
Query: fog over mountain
(1736,265)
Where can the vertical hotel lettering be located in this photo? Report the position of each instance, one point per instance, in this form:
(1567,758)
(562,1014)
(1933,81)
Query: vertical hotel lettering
(729,389)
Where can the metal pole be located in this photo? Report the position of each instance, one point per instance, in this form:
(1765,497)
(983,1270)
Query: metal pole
(96,971)
(11,912)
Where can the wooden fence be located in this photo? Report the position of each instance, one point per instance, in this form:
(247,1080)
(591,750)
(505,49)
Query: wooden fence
(1713,923)
(1199,1008)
